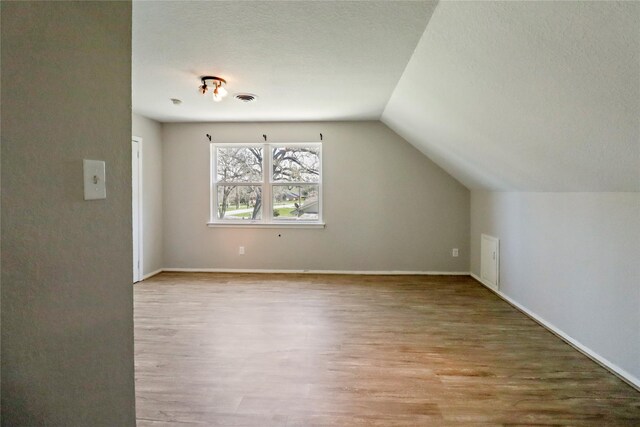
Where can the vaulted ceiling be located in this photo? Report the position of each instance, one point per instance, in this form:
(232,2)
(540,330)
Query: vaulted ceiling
(532,96)
(535,96)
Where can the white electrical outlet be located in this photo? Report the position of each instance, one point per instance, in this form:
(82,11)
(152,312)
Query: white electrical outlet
(241,250)
(454,252)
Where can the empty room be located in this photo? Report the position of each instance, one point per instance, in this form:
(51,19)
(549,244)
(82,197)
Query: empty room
(320,213)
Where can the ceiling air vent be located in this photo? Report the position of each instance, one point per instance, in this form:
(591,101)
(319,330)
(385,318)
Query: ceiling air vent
(246,97)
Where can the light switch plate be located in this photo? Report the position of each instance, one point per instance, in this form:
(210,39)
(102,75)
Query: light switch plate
(94,180)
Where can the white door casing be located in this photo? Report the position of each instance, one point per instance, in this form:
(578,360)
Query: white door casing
(136,206)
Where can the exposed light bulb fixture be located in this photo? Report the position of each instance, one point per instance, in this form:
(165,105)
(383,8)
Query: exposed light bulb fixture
(222,91)
(217,83)
(217,96)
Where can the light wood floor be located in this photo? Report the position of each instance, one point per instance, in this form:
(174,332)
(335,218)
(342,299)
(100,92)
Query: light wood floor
(314,350)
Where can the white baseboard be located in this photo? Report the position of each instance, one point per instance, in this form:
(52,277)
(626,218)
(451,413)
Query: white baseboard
(607,364)
(362,272)
(153,273)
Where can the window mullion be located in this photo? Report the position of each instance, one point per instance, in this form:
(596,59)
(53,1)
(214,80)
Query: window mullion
(267,211)
(213,189)
(239,183)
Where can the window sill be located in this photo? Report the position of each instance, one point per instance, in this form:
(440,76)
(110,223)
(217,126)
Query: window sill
(266,225)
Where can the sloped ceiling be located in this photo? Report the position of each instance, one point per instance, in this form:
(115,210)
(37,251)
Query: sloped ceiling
(532,96)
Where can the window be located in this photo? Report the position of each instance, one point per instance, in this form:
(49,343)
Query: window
(266,184)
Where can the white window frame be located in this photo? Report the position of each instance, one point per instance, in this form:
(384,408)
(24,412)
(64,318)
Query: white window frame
(267,220)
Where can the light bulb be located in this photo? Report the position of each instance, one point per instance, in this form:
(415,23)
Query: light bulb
(222,92)
(216,95)
(203,89)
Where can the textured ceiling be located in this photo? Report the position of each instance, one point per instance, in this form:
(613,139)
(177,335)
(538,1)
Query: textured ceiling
(306,60)
(534,96)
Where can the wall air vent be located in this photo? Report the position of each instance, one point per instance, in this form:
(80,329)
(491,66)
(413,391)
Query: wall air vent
(246,97)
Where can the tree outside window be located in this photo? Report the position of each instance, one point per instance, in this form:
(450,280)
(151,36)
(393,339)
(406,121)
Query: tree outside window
(282,187)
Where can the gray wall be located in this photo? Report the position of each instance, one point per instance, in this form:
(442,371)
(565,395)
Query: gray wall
(572,259)
(151,133)
(67,315)
(386,206)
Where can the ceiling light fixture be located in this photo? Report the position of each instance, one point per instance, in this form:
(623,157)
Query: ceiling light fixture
(217,83)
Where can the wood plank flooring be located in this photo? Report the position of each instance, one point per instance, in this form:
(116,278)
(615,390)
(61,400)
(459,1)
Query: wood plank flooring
(325,350)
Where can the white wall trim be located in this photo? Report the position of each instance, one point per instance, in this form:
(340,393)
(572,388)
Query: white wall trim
(140,228)
(283,225)
(153,273)
(363,272)
(607,364)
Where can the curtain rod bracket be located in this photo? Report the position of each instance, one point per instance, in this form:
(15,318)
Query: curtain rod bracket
(265,137)
(209,136)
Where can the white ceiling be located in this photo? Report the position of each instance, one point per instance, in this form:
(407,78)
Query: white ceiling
(306,60)
(533,96)
(529,96)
